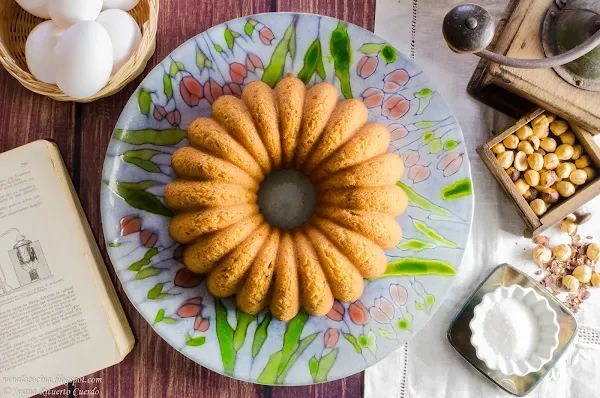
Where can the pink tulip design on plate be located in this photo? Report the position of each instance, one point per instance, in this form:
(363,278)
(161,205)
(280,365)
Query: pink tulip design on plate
(187,279)
(190,308)
(129,225)
(395,106)
(395,80)
(367,66)
(399,294)
(336,313)
(148,238)
(232,89)
(174,117)
(201,324)
(418,287)
(450,163)
(212,91)
(238,72)
(253,63)
(372,97)
(397,131)
(410,158)
(159,113)
(191,91)
(418,173)
(266,36)
(382,310)
(358,313)
(331,337)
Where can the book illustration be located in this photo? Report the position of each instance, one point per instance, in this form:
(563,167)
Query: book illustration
(27,260)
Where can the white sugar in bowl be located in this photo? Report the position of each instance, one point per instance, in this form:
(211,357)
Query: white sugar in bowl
(83,59)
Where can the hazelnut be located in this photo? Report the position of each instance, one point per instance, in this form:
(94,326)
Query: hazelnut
(526,147)
(531,194)
(540,151)
(577,152)
(562,252)
(522,186)
(583,162)
(568,138)
(568,226)
(541,255)
(532,177)
(564,170)
(549,116)
(541,131)
(583,273)
(535,161)
(565,189)
(550,195)
(578,177)
(513,174)
(539,207)
(541,120)
(571,217)
(551,161)
(595,280)
(535,141)
(548,144)
(521,161)
(524,132)
(506,159)
(570,283)
(559,126)
(593,252)
(591,173)
(564,152)
(498,148)
(547,178)
(511,141)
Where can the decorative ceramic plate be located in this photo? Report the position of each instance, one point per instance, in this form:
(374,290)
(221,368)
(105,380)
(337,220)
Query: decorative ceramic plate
(259,348)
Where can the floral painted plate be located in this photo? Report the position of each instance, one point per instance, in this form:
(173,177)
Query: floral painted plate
(307,349)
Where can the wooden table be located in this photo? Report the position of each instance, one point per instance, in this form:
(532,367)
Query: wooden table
(82,132)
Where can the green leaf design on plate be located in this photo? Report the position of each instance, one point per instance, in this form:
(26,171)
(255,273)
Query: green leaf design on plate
(304,343)
(248,28)
(141,158)
(229,38)
(450,145)
(313,61)
(155,291)
(313,366)
(187,337)
(429,300)
(138,265)
(362,341)
(169,320)
(145,154)
(150,136)
(115,244)
(140,199)
(269,372)
(428,136)
(457,190)
(325,365)
(218,48)
(200,59)
(417,200)
(352,340)
(424,125)
(415,245)
(168,87)
(389,53)
(274,69)
(291,337)
(432,234)
(293,47)
(418,266)
(160,315)
(370,48)
(435,146)
(261,334)
(372,342)
(239,336)
(208,64)
(147,273)
(144,101)
(175,68)
(419,306)
(341,51)
(405,323)
(196,341)
(225,337)
(387,335)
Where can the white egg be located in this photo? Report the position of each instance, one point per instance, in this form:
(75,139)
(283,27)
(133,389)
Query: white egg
(65,13)
(83,59)
(124,33)
(39,50)
(35,7)
(125,5)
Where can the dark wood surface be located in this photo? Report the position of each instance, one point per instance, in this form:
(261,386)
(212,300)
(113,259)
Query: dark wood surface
(82,131)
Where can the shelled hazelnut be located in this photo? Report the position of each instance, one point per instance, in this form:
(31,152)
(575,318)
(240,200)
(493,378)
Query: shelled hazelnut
(535,161)
(562,252)
(513,173)
(511,141)
(541,255)
(578,177)
(498,148)
(564,152)
(548,178)
(583,273)
(577,152)
(548,144)
(568,226)
(506,159)
(565,189)
(558,127)
(582,162)
(551,161)
(532,177)
(550,195)
(568,138)
(590,172)
(524,132)
(531,194)
(595,280)
(570,283)
(525,146)
(564,170)
(539,207)
(593,252)
(521,161)
(522,186)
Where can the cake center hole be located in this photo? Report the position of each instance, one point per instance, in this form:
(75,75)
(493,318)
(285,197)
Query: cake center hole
(286,198)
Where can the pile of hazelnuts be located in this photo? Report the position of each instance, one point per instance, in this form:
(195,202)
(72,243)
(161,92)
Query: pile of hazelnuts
(544,161)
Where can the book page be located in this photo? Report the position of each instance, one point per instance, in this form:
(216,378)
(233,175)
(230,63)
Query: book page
(53,326)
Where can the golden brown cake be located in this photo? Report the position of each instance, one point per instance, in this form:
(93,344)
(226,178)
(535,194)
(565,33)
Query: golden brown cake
(357,198)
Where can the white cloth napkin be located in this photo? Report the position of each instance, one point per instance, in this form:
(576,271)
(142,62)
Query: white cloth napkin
(429,366)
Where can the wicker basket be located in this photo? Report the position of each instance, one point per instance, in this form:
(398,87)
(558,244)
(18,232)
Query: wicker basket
(16,23)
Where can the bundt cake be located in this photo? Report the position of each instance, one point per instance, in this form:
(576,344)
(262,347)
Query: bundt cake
(215,195)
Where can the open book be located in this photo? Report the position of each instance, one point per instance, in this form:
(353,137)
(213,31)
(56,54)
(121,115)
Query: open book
(60,317)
